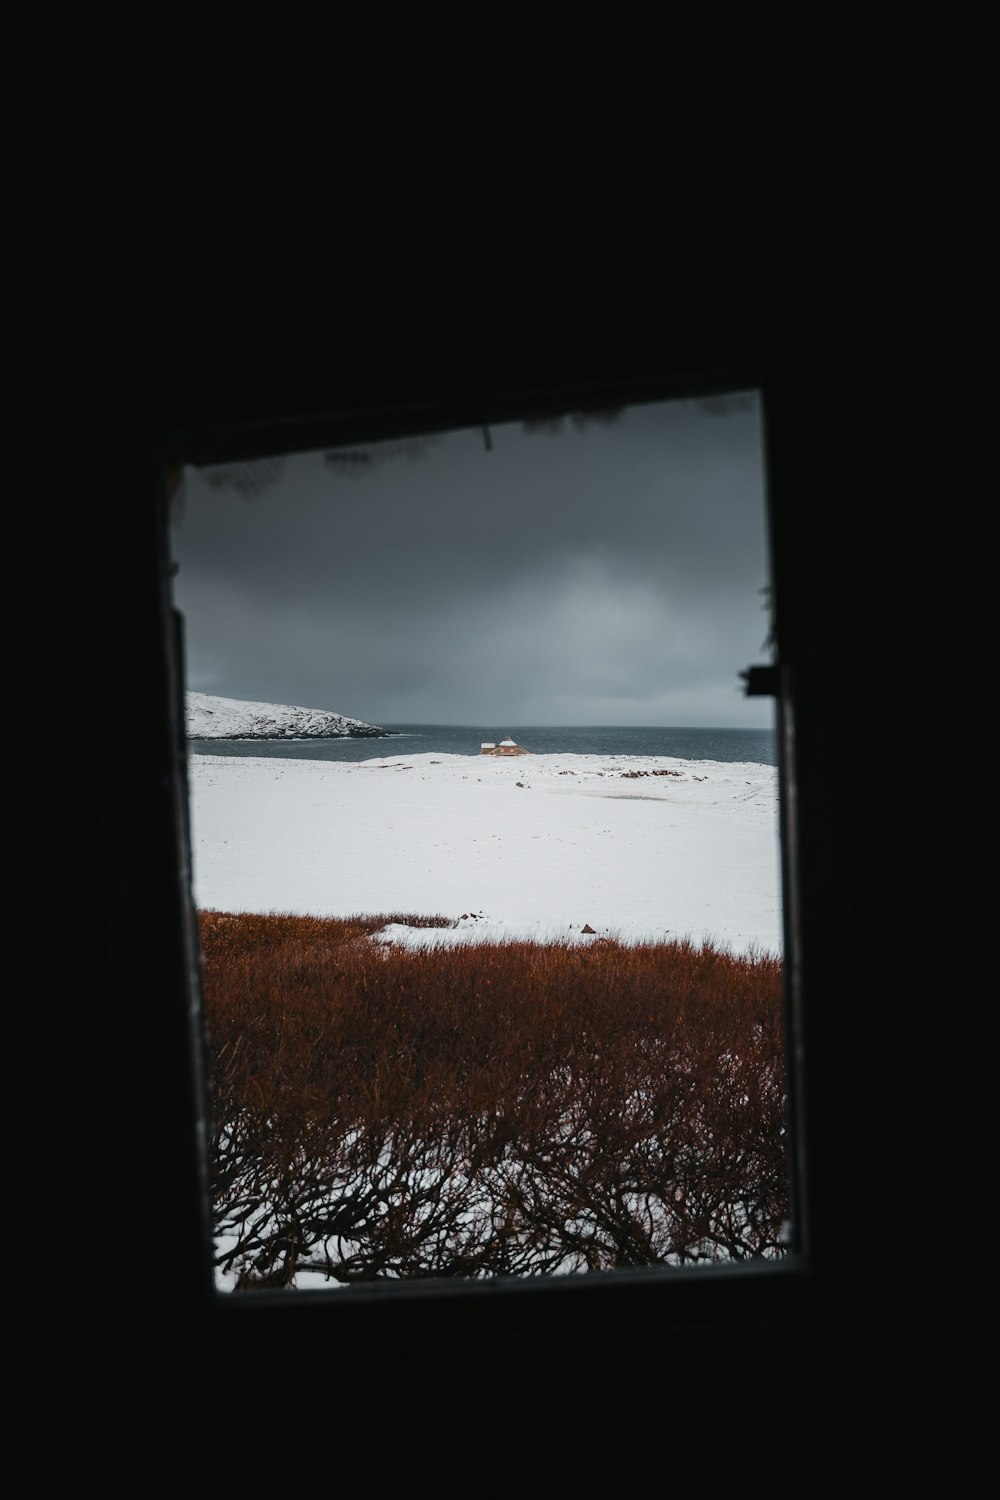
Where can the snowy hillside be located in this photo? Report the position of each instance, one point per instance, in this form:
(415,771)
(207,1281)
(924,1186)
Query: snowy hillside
(210,718)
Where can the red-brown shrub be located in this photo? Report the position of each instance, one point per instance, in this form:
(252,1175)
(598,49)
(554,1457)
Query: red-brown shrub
(510,1109)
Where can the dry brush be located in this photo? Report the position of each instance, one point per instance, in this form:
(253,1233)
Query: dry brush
(515,1109)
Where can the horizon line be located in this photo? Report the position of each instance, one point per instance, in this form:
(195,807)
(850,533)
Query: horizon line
(457,724)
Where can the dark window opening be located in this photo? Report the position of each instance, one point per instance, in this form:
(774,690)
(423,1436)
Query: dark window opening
(872,609)
(570,1055)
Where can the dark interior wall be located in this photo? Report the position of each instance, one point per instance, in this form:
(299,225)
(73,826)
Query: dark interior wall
(880,488)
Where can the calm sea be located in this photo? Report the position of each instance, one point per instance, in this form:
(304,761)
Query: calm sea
(756,745)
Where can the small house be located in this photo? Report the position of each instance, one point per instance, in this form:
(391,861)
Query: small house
(505,747)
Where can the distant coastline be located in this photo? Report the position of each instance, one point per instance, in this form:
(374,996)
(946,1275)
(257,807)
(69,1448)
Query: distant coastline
(210,717)
(755,746)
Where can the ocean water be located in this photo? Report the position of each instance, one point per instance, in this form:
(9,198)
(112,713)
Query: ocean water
(756,745)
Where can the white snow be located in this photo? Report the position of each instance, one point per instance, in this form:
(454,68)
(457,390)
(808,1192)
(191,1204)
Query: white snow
(528,847)
(210,718)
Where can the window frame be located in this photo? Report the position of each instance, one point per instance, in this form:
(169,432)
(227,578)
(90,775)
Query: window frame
(825,1303)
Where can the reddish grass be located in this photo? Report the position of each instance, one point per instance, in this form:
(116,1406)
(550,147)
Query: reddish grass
(509,1109)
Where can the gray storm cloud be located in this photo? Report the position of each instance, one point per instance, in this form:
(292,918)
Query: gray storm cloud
(602,573)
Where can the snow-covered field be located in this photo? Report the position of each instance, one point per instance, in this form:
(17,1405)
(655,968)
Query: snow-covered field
(638,848)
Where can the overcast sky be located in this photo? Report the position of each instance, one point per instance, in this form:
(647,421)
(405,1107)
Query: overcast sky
(607,572)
